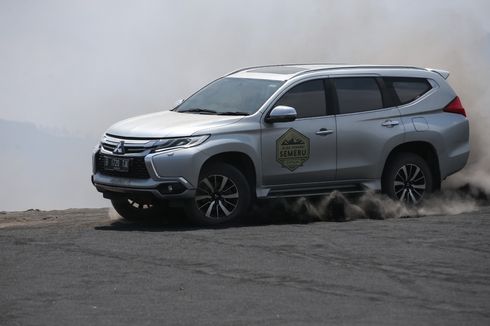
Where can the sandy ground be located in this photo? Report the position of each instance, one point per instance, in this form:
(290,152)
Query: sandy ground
(86,267)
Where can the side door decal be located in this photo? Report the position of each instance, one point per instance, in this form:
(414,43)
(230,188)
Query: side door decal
(292,149)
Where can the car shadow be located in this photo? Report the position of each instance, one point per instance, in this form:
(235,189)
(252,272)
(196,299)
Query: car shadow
(180,223)
(258,216)
(333,209)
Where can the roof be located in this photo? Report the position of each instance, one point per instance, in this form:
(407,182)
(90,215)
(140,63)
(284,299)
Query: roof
(287,71)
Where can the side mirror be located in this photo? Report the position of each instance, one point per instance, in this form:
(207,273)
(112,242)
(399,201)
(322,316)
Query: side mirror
(178,103)
(281,113)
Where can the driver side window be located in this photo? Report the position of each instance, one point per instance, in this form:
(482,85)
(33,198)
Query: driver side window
(307,98)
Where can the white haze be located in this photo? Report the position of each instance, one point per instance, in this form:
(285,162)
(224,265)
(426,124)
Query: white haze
(78,66)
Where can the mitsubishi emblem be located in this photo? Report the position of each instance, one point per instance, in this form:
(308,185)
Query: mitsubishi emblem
(119,148)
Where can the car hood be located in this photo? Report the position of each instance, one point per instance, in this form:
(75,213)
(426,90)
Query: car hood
(169,124)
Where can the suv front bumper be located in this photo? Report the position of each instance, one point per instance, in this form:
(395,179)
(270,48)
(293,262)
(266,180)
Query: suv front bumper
(162,189)
(171,175)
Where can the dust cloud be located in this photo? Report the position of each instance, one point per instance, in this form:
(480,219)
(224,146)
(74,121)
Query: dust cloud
(337,207)
(79,66)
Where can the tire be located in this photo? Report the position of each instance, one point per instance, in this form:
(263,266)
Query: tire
(223,194)
(408,178)
(136,209)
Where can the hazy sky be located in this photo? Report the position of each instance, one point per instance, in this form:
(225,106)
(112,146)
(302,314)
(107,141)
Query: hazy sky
(82,65)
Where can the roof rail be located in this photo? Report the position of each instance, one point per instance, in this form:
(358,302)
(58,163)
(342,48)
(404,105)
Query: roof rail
(282,65)
(341,66)
(357,67)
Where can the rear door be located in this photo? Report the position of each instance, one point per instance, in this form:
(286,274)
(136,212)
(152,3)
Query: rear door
(368,122)
(302,151)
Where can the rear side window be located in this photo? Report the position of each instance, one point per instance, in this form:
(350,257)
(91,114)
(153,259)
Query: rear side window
(357,94)
(409,89)
(307,98)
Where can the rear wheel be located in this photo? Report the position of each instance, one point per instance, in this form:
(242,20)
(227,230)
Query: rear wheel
(408,178)
(134,209)
(223,194)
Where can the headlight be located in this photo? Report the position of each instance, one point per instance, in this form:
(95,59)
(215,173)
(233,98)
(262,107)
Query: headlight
(181,142)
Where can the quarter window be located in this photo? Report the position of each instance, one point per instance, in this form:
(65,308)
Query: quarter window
(409,89)
(357,94)
(307,98)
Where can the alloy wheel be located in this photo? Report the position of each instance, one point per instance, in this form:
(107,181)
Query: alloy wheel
(410,184)
(217,196)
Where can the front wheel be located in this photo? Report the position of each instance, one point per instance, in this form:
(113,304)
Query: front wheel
(134,209)
(408,178)
(223,194)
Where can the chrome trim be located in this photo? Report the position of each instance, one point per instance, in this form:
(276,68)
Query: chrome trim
(324,132)
(144,152)
(135,147)
(115,140)
(158,177)
(390,123)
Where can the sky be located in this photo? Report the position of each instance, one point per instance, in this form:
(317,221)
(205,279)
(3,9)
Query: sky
(74,67)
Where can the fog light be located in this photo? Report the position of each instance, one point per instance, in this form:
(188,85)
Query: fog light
(171,188)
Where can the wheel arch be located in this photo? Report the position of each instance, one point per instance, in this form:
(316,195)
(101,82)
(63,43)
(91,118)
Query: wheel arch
(240,160)
(425,150)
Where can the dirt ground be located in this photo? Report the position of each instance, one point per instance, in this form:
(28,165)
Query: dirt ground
(87,267)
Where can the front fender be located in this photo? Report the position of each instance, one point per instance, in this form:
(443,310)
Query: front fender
(238,143)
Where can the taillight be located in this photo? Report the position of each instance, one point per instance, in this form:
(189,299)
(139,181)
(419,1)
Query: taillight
(455,106)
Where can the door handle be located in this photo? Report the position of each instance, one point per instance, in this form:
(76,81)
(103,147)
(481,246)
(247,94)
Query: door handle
(390,123)
(324,132)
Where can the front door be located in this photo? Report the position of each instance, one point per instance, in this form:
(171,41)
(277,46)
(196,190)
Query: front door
(301,152)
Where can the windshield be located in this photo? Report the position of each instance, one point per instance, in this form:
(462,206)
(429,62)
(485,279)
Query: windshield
(233,96)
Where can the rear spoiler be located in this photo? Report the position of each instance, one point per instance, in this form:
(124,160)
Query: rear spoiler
(444,74)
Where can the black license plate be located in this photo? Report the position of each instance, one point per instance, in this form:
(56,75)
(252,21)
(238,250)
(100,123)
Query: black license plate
(116,164)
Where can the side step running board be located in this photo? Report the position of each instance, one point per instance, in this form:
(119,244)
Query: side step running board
(315,191)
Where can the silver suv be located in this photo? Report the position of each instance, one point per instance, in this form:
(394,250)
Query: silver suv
(286,131)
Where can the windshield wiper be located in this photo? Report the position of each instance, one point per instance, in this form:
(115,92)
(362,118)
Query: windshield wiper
(233,113)
(199,110)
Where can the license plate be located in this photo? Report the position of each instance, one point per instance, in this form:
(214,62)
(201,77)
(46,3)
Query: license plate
(116,164)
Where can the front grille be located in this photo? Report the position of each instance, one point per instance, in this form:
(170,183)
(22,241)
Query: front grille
(137,168)
(130,146)
(130,149)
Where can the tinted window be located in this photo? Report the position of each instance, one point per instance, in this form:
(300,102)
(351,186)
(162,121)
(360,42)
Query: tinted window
(307,98)
(358,94)
(409,89)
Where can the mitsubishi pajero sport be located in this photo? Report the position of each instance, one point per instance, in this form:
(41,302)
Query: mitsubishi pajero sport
(286,131)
